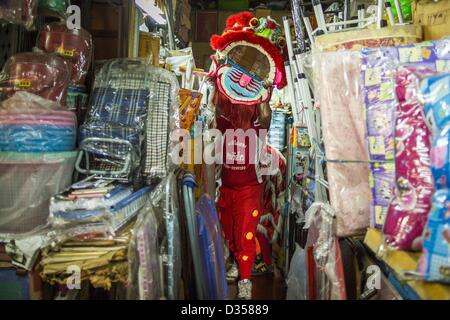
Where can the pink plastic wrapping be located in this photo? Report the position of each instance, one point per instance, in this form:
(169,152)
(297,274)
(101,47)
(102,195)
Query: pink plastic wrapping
(42,74)
(19,12)
(29,123)
(75,46)
(323,260)
(408,211)
(337,90)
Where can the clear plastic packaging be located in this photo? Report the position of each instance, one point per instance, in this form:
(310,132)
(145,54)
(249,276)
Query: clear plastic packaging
(435,95)
(339,96)
(371,38)
(297,277)
(19,12)
(28,182)
(42,74)
(54,8)
(131,112)
(211,249)
(408,211)
(29,123)
(144,271)
(378,70)
(119,207)
(164,200)
(323,262)
(73,45)
(434,263)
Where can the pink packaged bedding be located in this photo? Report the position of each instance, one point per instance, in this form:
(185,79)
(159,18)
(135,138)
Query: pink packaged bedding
(340,99)
(407,214)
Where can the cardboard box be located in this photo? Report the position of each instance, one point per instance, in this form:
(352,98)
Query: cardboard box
(433,16)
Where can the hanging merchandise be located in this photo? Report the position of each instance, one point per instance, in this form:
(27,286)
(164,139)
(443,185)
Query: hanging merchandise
(53,8)
(378,69)
(277,131)
(323,262)
(73,45)
(348,163)
(42,74)
(408,211)
(19,12)
(434,264)
(28,182)
(211,249)
(189,107)
(29,123)
(165,203)
(144,274)
(297,280)
(340,100)
(126,133)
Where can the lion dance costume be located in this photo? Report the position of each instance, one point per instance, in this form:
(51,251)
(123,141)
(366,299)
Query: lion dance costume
(249,63)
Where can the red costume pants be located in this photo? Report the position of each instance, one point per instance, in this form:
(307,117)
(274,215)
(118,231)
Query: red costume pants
(240,209)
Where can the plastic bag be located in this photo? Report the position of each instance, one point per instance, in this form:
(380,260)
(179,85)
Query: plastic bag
(132,109)
(297,277)
(337,90)
(29,123)
(28,182)
(73,45)
(211,248)
(408,211)
(19,12)
(144,271)
(165,203)
(45,75)
(378,70)
(54,8)
(434,263)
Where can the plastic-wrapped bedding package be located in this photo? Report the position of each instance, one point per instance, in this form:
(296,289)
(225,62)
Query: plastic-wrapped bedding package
(19,12)
(370,38)
(131,112)
(28,182)
(337,88)
(54,8)
(435,94)
(112,205)
(434,264)
(211,248)
(378,70)
(165,204)
(408,211)
(73,45)
(29,123)
(45,75)
(144,271)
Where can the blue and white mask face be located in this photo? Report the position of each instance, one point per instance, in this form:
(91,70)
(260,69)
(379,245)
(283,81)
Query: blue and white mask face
(240,86)
(243,74)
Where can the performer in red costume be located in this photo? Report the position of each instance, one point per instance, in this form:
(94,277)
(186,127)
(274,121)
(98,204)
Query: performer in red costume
(249,61)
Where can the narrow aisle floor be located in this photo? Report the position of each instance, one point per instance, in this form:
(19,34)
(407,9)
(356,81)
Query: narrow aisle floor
(265,287)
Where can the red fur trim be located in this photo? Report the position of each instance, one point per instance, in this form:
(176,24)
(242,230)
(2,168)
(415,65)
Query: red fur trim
(220,42)
(243,18)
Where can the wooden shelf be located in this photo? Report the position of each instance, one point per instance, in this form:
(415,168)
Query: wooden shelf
(400,261)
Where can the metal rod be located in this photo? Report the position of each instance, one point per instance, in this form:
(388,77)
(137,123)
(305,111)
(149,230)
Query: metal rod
(380,11)
(318,12)
(390,13)
(297,15)
(399,11)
